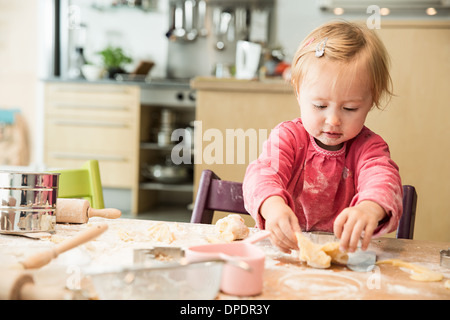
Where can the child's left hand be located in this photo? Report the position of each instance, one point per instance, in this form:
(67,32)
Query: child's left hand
(352,221)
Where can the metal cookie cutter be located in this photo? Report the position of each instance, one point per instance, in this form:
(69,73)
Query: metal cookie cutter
(445,258)
(158,255)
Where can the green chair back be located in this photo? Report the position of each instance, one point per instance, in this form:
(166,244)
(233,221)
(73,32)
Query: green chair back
(82,183)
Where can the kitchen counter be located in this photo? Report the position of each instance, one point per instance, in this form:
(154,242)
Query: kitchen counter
(232,84)
(285,276)
(147,83)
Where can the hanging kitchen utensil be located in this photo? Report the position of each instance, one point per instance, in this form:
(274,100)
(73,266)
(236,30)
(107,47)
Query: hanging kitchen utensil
(241,22)
(189,16)
(225,18)
(169,33)
(179,32)
(201,21)
(231,32)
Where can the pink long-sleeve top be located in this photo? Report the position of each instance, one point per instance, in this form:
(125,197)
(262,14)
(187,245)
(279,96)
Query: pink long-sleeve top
(318,184)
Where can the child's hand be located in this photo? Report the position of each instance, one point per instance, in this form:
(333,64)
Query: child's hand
(352,221)
(281,222)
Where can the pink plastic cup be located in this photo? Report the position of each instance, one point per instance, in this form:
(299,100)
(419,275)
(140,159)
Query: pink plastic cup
(235,280)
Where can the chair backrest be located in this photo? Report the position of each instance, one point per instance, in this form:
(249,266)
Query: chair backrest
(405,228)
(215,194)
(82,183)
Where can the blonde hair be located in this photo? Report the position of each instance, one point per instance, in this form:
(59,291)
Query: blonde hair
(346,42)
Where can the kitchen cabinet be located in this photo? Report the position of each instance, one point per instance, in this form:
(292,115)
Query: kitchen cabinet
(93,121)
(415,123)
(118,124)
(173,190)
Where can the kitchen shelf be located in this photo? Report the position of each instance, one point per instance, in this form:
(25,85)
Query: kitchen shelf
(185,187)
(155,146)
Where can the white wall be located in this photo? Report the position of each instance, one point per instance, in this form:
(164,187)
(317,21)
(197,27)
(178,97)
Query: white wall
(141,34)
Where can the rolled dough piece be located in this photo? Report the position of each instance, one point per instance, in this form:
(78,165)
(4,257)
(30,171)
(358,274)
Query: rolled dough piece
(320,256)
(447,284)
(419,273)
(232,227)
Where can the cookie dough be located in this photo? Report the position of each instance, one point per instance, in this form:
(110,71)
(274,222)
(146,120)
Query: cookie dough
(231,228)
(419,273)
(317,255)
(161,232)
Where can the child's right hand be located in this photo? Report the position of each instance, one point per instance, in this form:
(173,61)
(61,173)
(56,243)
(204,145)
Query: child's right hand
(281,222)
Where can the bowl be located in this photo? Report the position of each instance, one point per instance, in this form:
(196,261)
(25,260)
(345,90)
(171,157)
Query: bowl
(166,173)
(92,72)
(198,281)
(28,201)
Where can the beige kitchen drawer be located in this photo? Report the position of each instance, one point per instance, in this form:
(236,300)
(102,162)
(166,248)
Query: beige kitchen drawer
(87,134)
(115,172)
(94,121)
(92,101)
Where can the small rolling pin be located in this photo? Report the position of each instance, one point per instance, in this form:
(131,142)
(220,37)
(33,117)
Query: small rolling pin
(79,211)
(41,258)
(17,285)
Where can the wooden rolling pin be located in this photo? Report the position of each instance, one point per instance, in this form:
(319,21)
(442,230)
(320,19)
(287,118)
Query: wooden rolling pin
(40,259)
(79,211)
(17,285)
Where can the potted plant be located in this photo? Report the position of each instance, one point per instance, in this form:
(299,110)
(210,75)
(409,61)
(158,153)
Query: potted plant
(114,59)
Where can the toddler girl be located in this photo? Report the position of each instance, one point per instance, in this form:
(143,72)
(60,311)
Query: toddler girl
(326,171)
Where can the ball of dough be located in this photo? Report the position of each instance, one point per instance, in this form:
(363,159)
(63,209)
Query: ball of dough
(232,227)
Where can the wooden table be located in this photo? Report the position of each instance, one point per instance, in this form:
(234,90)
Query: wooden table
(285,277)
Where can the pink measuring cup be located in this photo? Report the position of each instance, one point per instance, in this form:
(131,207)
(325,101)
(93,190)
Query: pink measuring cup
(236,281)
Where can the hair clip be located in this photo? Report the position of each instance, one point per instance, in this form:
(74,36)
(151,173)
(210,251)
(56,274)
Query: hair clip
(320,49)
(309,42)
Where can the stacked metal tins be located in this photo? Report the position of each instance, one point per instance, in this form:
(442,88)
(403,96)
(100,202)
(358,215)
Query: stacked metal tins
(28,201)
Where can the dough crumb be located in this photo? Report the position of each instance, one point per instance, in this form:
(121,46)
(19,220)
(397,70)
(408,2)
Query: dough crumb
(161,232)
(231,228)
(419,273)
(125,235)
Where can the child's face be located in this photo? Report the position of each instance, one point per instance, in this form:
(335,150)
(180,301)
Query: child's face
(334,100)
